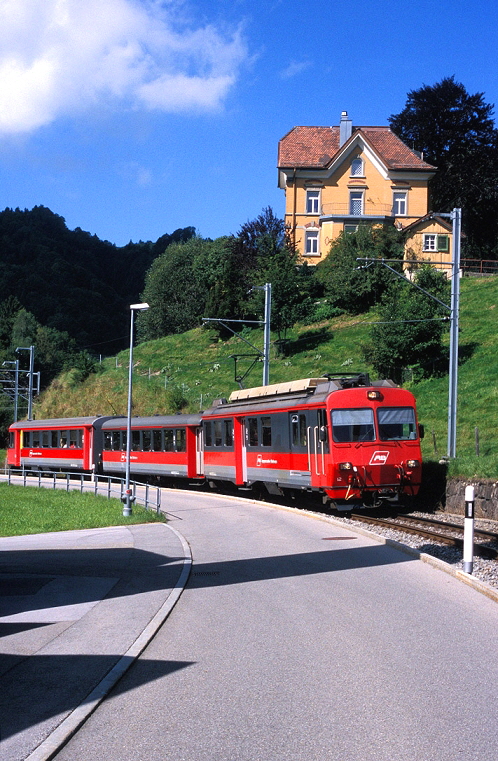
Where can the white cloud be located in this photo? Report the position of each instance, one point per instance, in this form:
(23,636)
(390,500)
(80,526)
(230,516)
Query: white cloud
(294,68)
(61,56)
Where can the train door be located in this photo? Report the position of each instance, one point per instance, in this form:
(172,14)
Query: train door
(300,455)
(239,439)
(199,452)
(318,446)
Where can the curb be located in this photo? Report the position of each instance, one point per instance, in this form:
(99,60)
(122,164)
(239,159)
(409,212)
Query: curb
(70,725)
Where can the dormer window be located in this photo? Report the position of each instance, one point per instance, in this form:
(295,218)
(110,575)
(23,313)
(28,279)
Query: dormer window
(357,168)
(312,202)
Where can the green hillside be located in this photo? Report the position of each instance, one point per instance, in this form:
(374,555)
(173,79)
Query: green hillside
(188,371)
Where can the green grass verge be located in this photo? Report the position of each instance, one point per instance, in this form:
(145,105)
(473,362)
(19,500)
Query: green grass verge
(32,510)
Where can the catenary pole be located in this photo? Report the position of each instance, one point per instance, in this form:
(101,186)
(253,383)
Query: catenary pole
(456,216)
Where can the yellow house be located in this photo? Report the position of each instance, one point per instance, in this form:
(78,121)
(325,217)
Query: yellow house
(336,178)
(429,239)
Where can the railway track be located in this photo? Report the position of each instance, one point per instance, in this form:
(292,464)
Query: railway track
(485,542)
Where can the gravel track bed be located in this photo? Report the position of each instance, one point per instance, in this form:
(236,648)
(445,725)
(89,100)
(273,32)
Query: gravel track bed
(483,569)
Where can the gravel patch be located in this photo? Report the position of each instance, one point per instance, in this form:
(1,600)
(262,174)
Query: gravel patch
(483,569)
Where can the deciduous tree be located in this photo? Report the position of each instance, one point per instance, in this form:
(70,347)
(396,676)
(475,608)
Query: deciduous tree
(410,328)
(456,133)
(353,285)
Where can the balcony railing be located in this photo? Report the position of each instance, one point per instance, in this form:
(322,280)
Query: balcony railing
(352,210)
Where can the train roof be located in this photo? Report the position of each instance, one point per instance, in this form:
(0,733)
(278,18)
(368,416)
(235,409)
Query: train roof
(154,421)
(297,392)
(68,422)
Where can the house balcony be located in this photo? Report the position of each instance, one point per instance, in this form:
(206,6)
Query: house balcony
(369,212)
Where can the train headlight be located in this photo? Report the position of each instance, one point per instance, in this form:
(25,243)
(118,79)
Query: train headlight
(412,463)
(374,395)
(345,466)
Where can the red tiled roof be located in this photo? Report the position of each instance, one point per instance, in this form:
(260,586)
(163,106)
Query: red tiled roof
(315,148)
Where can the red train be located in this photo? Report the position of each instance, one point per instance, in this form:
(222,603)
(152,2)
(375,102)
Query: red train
(348,439)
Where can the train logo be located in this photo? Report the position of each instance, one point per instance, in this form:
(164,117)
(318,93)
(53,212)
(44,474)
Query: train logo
(379,458)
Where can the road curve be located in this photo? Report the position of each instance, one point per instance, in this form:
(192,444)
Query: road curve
(300,639)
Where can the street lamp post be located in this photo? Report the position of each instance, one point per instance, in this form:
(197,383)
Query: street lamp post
(127,500)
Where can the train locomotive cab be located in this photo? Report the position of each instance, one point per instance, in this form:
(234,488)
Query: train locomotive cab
(353,441)
(374,443)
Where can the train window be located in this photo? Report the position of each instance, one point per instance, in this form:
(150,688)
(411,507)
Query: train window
(169,442)
(208,436)
(46,438)
(157,441)
(108,440)
(266,431)
(116,441)
(228,430)
(11,439)
(135,441)
(218,436)
(75,439)
(180,440)
(54,439)
(253,432)
(396,423)
(35,439)
(353,425)
(299,432)
(146,441)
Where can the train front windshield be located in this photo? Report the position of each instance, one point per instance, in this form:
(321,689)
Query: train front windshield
(396,423)
(393,424)
(353,425)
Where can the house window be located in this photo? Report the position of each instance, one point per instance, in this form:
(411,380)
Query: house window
(312,202)
(311,243)
(399,204)
(350,228)
(357,168)
(356,203)
(433,242)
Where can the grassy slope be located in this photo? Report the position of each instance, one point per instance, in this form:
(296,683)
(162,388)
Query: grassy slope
(201,367)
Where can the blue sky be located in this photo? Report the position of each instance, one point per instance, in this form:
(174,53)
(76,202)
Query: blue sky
(131,118)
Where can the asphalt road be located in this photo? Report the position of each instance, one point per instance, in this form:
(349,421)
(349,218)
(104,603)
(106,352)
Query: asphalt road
(300,639)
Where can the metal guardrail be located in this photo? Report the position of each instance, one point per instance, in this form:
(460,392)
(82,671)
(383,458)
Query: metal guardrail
(107,486)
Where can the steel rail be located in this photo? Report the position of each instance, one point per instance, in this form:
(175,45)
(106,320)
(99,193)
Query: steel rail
(411,528)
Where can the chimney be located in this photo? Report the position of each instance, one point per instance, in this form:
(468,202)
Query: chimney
(345,128)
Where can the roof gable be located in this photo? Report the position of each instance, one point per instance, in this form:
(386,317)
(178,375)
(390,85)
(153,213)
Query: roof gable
(318,147)
(423,222)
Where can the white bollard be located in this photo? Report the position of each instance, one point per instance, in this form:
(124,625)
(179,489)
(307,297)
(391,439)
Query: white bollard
(468,531)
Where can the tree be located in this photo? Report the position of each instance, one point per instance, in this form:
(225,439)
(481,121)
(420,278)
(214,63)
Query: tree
(410,328)
(456,133)
(260,253)
(177,287)
(356,286)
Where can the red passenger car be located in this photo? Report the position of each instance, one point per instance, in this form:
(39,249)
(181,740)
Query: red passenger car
(348,438)
(61,444)
(163,445)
